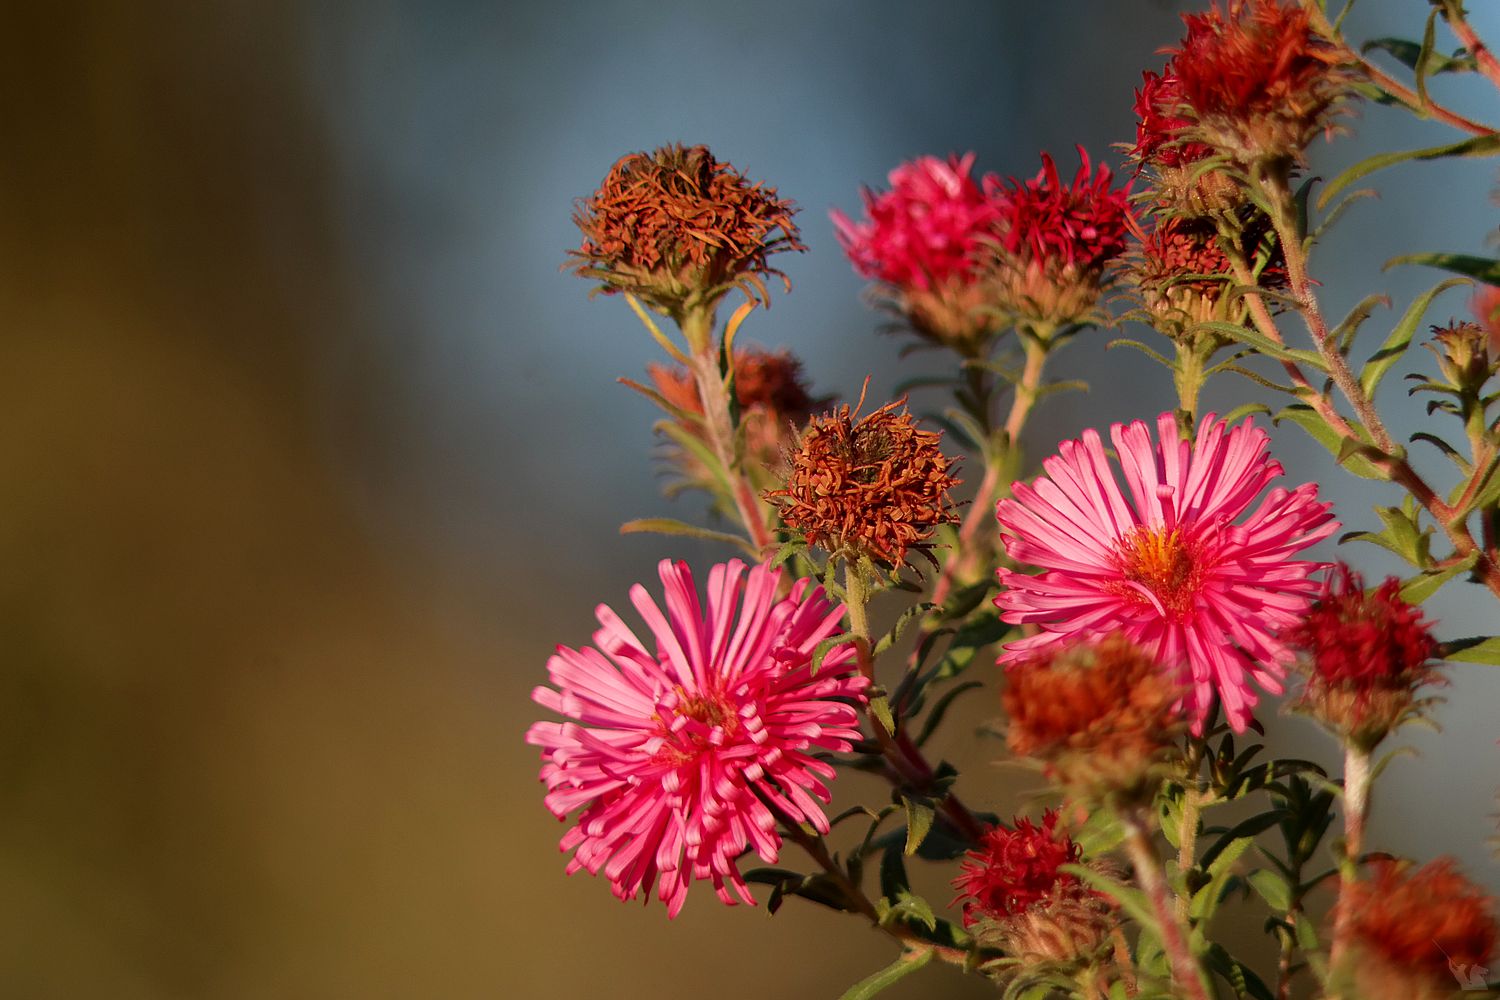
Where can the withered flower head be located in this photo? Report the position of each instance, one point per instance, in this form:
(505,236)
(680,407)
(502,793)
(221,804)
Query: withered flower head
(1182,275)
(1366,656)
(1053,240)
(774,404)
(1101,715)
(680,229)
(1260,82)
(874,485)
(1418,935)
(1016,898)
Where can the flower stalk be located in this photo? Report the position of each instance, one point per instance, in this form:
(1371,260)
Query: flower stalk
(1148,872)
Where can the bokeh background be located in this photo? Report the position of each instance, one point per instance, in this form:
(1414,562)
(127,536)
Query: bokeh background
(313,454)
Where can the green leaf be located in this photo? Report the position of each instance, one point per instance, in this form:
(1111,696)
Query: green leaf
(1307,418)
(1482,268)
(1127,342)
(671,409)
(1273,888)
(1479,145)
(1408,52)
(1478,649)
(940,708)
(880,707)
(909,908)
(1417,589)
(908,616)
(1343,334)
(1265,345)
(888,976)
(919,815)
(1246,831)
(1396,344)
(822,649)
(702,452)
(670,526)
(1239,976)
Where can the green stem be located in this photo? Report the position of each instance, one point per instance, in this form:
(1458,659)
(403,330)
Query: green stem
(1148,872)
(697,326)
(903,755)
(1187,835)
(855,897)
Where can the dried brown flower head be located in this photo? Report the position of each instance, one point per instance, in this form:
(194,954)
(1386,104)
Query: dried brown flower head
(774,403)
(1100,715)
(1418,934)
(875,485)
(680,229)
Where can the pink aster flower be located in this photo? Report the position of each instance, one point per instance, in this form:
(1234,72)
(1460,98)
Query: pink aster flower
(1179,568)
(676,756)
(920,242)
(925,229)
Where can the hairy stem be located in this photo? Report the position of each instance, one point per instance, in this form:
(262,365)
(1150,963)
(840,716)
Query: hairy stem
(697,325)
(1187,835)
(1400,91)
(1148,872)
(1453,13)
(1356,811)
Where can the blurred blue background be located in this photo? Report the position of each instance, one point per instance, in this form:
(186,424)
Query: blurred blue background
(315,455)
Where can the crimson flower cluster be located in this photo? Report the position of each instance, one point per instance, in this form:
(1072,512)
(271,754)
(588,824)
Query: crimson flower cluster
(1015,868)
(1367,653)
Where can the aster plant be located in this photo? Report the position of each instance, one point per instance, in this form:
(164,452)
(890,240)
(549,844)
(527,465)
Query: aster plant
(1138,600)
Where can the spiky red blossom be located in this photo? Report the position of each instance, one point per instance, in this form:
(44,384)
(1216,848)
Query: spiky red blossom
(1260,81)
(1015,868)
(920,242)
(1367,653)
(876,486)
(1053,240)
(1416,931)
(1160,127)
(677,227)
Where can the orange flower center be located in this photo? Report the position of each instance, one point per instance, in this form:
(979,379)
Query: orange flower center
(697,723)
(1164,562)
(711,710)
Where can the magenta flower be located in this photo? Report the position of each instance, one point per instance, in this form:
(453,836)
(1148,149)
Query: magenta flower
(1080,225)
(925,229)
(675,757)
(1173,568)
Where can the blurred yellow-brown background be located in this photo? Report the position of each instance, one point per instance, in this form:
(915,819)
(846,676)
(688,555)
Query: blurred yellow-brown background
(312,456)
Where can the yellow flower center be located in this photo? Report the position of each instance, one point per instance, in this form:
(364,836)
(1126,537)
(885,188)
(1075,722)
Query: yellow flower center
(1165,563)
